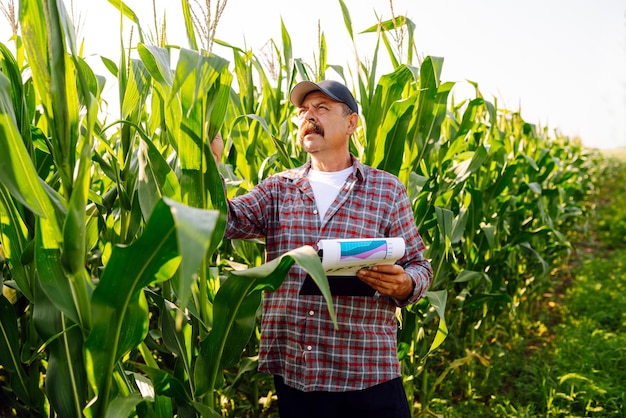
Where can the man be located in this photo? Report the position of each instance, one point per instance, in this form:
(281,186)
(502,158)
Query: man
(321,372)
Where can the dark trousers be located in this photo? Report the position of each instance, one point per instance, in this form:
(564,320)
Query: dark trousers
(386,400)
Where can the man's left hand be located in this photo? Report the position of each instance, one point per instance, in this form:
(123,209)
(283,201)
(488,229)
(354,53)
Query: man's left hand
(389,280)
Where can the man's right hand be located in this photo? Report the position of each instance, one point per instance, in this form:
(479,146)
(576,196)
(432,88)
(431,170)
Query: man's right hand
(217,148)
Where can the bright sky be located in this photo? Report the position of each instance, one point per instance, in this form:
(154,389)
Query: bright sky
(561,62)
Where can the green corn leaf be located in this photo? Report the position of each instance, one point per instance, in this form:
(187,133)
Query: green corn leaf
(244,74)
(199,82)
(66,380)
(387,25)
(206,411)
(195,235)
(489,301)
(245,366)
(12,71)
(15,245)
(33,23)
(395,59)
(236,310)
(432,101)
(287,47)
(157,61)
(406,333)
(347,20)
(394,131)
(129,13)
(74,228)
(124,406)
(111,66)
(444,224)
(156,178)
(195,73)
(468,275)
(410,25)
(470,118)
(70,293)
(136,89)
(370,79)
(175,236)
(537,255)
(468,167)
(236,303)
(90,86)
(389,90)
(63,115)
(189,27)
(10,350)
(17,171)
(504,180)
(458,226)
(176,337)
(490,234)
(438,301)
(283,153)
(217,98)
(214,183)
(165,384)
(302,70)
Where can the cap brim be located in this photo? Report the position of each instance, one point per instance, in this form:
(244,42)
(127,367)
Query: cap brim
(300,91)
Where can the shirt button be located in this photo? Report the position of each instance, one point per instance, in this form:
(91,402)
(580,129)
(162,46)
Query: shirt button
(315,212)
(308,347)
(311,313)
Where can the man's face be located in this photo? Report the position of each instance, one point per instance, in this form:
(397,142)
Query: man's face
(323,125)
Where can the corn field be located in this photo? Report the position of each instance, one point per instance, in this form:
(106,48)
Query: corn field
(120,296)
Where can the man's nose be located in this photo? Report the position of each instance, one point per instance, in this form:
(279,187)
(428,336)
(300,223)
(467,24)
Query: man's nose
(308,114)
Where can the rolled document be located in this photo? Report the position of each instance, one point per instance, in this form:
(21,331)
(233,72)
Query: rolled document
(344,257)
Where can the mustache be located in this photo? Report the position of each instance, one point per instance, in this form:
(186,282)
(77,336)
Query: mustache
(309,127)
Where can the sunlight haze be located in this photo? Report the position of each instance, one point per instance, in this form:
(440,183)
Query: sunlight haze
(561,62)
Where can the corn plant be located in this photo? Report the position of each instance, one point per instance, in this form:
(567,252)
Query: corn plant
(110,232)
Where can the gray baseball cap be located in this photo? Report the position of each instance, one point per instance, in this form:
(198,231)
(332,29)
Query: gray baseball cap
(333,89)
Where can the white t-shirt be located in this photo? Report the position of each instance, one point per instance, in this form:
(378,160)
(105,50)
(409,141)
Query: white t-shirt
(326,186)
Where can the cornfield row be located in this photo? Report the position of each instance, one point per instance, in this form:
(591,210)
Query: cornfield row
(120,297)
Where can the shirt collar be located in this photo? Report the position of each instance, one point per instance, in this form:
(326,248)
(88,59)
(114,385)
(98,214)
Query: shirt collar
(358,169)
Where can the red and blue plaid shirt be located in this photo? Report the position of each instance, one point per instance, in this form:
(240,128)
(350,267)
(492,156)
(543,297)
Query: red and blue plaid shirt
(298,339)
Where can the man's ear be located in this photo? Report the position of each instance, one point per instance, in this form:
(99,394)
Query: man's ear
(353,121)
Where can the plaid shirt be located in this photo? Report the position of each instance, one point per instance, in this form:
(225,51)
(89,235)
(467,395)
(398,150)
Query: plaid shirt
(298,340)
